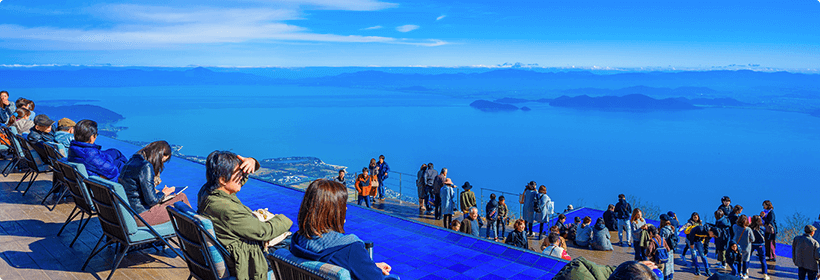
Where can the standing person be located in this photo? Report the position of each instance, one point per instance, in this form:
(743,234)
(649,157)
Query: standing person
(469,224)
(583,236)
(467,198)
(448,201)
(420,185)
(743,237)
(673,219)
(439,182)
(363,187)
(670,235)
(429,180)
(541,203)
(21,121)
(341,178)
(601,237)
(491,213)
(384,170)
(622,211)
(736,211)
(373,169)
(321,235)
(805,254)
(721,242)
(527,200)
(770,226)
(816,224)
(638,224)
(694,220)
(517,237)
(725,205)
(106,164)
(501,221)
(139,178)
(696,236)
(759,243)
(657,250)
(236,227)
(7,108)
(609,218)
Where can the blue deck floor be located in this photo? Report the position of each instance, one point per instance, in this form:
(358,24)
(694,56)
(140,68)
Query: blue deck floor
(413,249)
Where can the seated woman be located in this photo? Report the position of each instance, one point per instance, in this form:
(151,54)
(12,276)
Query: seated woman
(238,228)
(321,233)
(106,164)
(139,178)
(21,121)
(600,236)
(583,236)
(517,237)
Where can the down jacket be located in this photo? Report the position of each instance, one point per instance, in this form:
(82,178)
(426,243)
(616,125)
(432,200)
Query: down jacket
(105,164)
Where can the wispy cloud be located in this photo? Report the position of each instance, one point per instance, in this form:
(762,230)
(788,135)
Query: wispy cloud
(441,17)
(373,27)
(141,27)
(407,28)
(345,5)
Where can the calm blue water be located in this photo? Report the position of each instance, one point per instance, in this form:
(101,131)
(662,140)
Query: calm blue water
(684,161)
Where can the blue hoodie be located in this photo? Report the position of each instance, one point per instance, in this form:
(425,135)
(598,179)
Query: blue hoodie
(339,249)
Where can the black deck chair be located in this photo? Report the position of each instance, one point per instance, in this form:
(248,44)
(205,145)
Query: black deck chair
(198,245)
(118,224)
(16,152)
(75,174)
(32,167)
(57,178)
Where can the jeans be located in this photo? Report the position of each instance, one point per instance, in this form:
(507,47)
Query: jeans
(447,219)
(639,254)
(623,225)
(501,227)
(761,255)
(491,229)
(365,199)
(802,273)
(698,251)
(735,269)
(381,187)
(437,213)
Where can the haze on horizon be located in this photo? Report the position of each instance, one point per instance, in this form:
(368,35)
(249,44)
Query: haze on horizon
(298,33)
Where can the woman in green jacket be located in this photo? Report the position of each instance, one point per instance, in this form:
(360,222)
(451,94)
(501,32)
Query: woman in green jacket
(242,231)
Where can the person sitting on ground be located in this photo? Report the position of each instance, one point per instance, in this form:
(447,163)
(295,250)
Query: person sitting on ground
(471,224)
(572,231)
(241,231)
(806,254)
(563,228)
(139,178)
(601,237)
(569,208)
(41,132)
(733,258)
(609,218)
(21,121)
(321,236)
(555,249)
(517,237)
(455,225)
(581,268)
(65,132)
(448,201)
(501,220)
(584,234)
(467,198)
(7,108)
(491,213)
(106,164)
(561,242)
(341,178)
(363,187)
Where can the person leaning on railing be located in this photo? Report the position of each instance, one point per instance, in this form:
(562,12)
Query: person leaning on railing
(238,228)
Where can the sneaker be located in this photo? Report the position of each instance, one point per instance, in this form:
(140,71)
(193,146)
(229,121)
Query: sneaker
(745,276)
(765,277)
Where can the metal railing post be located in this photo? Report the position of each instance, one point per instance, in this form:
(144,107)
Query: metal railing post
(400,193)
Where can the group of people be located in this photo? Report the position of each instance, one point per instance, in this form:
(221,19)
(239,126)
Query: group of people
(370,183)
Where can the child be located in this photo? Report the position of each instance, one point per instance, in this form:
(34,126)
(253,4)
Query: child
(455,225)
(562,242)
(501,221)
(573,229)
(517,237)
(733,258)
(563,229)
(363,187)
(491,209)
(554,250)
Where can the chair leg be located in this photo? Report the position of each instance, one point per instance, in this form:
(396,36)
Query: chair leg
(95,251)
(53,189)
(30,182)
(9,167)
(118,260)
(190,276)
(21,180)
(80,228)
(70,217)
(62,195)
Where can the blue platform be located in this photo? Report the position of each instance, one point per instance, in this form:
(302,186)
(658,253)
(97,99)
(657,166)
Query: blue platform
(414,250)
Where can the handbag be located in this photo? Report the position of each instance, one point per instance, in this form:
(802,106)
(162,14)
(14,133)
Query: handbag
(770,229)
(521,198)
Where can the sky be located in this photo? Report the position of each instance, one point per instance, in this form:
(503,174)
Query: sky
(294,33)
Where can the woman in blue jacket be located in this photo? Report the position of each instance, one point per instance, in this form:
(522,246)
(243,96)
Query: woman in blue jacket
(139,178)
(529,210)
(542,217)
(321,233)
(448,201)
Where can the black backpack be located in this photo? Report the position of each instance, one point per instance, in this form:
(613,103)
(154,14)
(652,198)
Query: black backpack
(536,203)
(622,210)
(572,231)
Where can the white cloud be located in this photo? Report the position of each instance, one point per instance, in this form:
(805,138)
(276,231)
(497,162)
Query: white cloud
(441,17)
(346,5)
(373,27)
(407,28)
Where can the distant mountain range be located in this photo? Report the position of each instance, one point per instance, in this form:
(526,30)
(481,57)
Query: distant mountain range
(628,102)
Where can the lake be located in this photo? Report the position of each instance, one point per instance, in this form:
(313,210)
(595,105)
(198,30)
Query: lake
(682,160)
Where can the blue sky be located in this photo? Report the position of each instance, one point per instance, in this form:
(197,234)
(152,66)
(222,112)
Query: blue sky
(781,34)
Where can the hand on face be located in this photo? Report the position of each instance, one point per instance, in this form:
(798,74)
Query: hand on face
(248,165)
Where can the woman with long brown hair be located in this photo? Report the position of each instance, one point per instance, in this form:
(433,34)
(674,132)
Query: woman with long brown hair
(321,233)
(139,178)
(758,242)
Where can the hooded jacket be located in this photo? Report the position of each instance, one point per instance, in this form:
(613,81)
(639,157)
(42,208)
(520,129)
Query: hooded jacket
(601,238)
(543,200)
(623,209)
(137,179)
(723,226)
(105,164)
(583,236)
(492,206)
(347,251)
